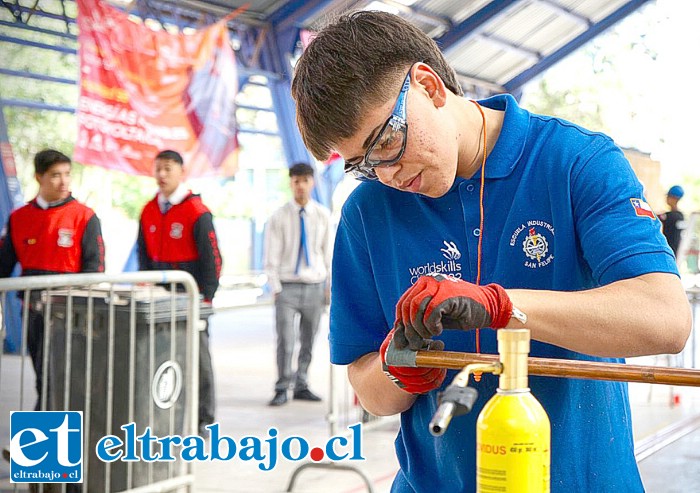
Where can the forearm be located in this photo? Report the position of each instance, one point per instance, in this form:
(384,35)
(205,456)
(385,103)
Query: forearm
(640,316)
(8,259)
(93,250)
(144,260)
(209,255)
(376,392)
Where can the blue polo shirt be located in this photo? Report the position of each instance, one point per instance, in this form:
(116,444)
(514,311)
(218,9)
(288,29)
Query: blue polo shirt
(563,211)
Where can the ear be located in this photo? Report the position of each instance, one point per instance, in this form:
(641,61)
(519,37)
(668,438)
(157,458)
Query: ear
(432,84)
(37,177)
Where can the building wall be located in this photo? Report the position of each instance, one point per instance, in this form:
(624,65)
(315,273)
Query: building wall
(648,171)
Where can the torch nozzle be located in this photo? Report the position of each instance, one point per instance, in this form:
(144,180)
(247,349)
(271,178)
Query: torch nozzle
(441,418)
(458,398)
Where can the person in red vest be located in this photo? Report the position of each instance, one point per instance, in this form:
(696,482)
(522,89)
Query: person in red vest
(52,234)
(176,231)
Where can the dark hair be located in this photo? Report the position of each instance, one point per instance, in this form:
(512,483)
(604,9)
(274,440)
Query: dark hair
(354,63)
(170,155)
(43,160)
(301,169)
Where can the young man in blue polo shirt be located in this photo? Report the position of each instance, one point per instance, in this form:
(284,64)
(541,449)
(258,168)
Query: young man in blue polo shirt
(510,213)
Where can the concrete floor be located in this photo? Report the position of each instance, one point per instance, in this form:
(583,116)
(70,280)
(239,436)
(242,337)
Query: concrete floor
(242,344)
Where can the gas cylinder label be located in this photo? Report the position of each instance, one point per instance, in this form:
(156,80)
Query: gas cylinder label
(512,446)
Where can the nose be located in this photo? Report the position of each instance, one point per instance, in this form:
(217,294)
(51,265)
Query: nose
(387,174)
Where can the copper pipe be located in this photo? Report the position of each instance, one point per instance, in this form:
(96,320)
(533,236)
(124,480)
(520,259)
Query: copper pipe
(550,367)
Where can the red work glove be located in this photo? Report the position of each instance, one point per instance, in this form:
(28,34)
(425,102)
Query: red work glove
(412,380)
(438,302)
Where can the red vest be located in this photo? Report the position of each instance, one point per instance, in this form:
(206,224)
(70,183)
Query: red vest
(169,237)
(50,239)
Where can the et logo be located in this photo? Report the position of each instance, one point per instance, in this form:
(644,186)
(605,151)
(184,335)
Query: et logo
(46,447)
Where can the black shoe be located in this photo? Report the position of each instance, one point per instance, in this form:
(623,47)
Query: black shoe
(306,395)
(6,454)
(279,399)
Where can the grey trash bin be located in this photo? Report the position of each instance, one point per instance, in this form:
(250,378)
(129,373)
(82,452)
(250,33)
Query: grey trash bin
(158,379)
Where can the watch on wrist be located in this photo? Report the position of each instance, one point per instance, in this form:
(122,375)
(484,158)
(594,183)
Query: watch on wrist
(519,316)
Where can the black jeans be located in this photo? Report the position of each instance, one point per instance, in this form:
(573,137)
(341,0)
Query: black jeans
(207,398)
(35,346)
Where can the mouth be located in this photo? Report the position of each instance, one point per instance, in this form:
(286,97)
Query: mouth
(413,185)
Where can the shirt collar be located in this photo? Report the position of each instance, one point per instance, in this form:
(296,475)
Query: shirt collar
(45,205)
(511,141)
(297,207)
(180,194)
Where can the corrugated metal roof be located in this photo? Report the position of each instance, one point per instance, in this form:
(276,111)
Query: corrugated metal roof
(516,36)
(494,45)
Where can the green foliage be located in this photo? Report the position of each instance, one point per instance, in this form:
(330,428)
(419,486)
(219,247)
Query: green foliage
(605,86)
(619,84)
(578,105)
(130,193)
(31,130)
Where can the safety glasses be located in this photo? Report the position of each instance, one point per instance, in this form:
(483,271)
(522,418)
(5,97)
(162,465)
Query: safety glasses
(389,145)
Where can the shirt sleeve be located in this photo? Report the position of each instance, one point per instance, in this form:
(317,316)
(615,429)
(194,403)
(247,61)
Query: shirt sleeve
(93,247)
(620,236)
(144,261)
(273,253)
(8,257)
(357,322)
(209,256)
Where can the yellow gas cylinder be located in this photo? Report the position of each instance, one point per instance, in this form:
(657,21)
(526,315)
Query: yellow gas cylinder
(513,430)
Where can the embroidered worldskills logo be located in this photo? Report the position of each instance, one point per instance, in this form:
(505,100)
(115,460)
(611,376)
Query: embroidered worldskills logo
(534,243)
(450,252)
(448,267)
(65,238)
(176,231)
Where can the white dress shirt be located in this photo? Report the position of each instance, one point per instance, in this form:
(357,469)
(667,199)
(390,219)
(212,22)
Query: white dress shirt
(180,193)
(282,238)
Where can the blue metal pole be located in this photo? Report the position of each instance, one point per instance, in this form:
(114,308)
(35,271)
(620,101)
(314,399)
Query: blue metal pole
(10,199)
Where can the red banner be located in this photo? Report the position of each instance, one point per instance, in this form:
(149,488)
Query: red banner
(143,91)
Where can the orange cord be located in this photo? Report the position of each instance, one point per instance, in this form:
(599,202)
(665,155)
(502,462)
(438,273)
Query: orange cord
(477,376)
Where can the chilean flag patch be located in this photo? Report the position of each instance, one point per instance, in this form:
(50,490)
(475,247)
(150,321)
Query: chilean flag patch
(641,208)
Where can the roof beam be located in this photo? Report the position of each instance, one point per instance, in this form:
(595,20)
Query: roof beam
(34,105)
(35,76)
(505,45)
(473,23)
(40,13)
(35,44)
(25,27)
(484,84)
(296,13)
(595,29)
(13,10)
(564,12)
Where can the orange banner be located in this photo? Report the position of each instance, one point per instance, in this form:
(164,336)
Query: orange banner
(143,91)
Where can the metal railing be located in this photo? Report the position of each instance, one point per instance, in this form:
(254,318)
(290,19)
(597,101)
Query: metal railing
(344,410)
(114,347)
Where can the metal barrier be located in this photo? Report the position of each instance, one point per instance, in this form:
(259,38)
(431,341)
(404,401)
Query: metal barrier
(344,410)
(691,347)
(115,349)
